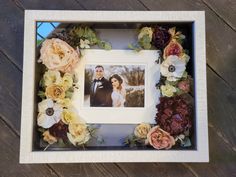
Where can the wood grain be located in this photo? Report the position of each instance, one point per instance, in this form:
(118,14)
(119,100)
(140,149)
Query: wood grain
(10,92)
(112,5)
(220,38)
(226,9)
(11,32)
(152,169)
(9,157)
(50,5)
(221,109)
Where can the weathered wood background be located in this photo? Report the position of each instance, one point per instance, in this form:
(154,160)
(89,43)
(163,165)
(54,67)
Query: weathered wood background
(221,75)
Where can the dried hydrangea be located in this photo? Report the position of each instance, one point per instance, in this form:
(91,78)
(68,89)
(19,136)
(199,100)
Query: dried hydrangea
(174,114)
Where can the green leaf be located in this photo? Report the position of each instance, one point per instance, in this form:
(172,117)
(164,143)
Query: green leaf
(42,83)
(69,94)
(186,142)
(61,143)
(42,130)
(145,42)
(104,45)
(41,94)
(137,48)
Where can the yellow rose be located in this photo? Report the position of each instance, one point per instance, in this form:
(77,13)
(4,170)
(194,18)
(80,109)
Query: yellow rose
(69,116)
(78,133)
(52,77)
(168,90)
(67,81)
(49,138)
(142,130)
(57,55)
(55,92)
(65,102)
(145,31)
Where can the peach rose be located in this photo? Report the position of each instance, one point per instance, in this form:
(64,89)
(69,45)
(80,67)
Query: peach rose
(49,138)
(173,48)
(160,139)
(58,55)
(55,92)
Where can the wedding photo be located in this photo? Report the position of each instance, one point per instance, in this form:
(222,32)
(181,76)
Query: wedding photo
(114,86)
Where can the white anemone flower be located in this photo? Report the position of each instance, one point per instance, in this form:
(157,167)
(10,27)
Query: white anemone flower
(49,113)
(173,68)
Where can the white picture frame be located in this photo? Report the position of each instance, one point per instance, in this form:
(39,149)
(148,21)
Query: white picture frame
(200,154)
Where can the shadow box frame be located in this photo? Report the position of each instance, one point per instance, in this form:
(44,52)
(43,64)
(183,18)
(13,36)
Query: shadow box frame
(201,151)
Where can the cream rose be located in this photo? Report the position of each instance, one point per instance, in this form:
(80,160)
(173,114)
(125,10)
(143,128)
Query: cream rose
(55,92)
(168,90)
(160,139)
(69,116)
(142,130)
(49,138)
(78,133)
(52,77)
(67,81)
(58,55)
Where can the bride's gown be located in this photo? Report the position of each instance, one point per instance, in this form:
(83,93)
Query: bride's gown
(118,99)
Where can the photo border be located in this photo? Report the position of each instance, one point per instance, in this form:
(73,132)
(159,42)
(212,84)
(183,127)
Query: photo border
(111,115)
(201,154)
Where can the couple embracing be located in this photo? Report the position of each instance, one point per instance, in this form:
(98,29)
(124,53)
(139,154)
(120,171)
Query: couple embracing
(107,92)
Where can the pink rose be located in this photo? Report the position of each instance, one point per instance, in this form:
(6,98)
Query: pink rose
(184,85)
(57,55)
(160,139)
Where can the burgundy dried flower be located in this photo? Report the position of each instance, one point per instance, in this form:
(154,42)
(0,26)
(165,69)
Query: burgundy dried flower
(174,114)
(160,37)
(59,130)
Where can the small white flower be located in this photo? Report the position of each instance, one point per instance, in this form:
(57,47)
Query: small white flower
(49,113)
(84,44)
(173,68)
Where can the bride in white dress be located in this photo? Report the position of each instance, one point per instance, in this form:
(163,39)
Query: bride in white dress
(118,93)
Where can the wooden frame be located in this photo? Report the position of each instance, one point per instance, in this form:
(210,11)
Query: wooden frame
(201,154)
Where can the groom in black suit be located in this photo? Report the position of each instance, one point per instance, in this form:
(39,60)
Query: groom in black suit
(101,89)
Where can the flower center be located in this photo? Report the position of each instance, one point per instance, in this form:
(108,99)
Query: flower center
(171,68)
(49,111)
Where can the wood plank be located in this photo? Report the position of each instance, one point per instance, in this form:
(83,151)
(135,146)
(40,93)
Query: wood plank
(222,159)
(11,31)
(220,38)
(88,169)
(226,9)
(221,108)
(50,5)
(9,165)
(10,92)
(152,169)
(112,5)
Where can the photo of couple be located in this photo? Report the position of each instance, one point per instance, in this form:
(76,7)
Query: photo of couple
(114,86)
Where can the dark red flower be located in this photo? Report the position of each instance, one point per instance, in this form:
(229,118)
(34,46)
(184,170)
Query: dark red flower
(160,37)
(174,114)
(59,130)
